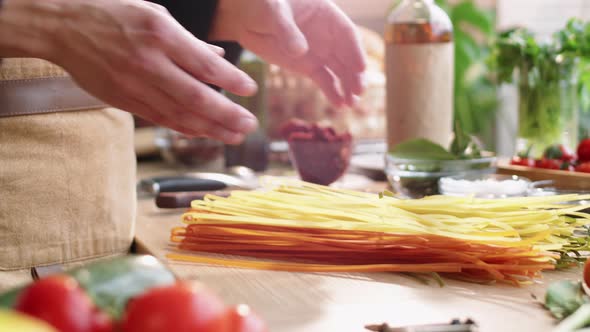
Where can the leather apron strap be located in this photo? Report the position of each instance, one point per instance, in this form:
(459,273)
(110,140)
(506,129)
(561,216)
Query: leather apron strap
(44,95)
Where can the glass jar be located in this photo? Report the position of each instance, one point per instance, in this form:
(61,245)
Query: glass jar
(547,108)
(420,73)
(254,151)
(193,153)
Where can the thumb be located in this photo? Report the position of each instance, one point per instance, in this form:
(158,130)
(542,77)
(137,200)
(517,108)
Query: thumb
(292,40)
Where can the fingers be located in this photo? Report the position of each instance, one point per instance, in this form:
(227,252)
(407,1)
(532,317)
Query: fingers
(179,101)
(287,33)
(197,103)
(350,81)
(203,61)
(218,50)
(349,50)
(325,79)
(329,85)
(205,65)
(164,110)
(347,59)
(184,101)
(218,109)
(205,128)
(308,65)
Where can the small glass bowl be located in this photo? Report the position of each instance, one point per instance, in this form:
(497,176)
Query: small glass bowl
(190,152)
(487,186)
(320,162)
(414,178)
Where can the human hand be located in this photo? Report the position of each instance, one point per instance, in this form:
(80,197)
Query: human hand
(310,37)
(134,56)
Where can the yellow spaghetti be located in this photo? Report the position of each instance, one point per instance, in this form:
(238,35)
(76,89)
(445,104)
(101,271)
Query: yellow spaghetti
(298,226)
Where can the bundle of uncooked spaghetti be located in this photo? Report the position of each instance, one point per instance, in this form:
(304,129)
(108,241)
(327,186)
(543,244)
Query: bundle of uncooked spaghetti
(298,226)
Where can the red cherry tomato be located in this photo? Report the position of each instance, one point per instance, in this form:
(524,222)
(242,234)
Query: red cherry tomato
(583,167)
(61,302)
(242,319)
(522,161)
(548,163)
(102,323)
(179,308)
(584,150)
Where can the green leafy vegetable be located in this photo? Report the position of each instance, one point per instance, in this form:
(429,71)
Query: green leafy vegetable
(564,297)
(463,147)
(570,253)
(579,319)
(421,149)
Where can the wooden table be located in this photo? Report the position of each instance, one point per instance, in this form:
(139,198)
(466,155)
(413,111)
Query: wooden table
(335,302)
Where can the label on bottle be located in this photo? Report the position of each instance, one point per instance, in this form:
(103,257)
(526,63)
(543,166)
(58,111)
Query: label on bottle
(420,85)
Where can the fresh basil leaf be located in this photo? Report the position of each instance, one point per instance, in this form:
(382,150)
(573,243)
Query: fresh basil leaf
(421,149)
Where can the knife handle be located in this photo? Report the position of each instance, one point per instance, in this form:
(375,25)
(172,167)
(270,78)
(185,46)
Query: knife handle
(188,184)
(177,200)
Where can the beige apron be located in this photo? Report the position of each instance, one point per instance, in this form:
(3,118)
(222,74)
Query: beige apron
(67,190)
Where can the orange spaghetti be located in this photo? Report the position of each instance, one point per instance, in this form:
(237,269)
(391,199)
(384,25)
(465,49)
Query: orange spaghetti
(309,228)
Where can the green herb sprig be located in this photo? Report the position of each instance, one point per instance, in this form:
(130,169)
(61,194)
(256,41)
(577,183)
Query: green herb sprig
(550,79)
(545,61)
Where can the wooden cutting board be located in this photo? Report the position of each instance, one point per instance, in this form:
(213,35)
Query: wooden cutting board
(561,179)
(345,302)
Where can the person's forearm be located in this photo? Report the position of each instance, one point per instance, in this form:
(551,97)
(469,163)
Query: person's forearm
(26,27)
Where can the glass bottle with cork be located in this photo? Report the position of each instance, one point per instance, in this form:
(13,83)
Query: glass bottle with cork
(420,73)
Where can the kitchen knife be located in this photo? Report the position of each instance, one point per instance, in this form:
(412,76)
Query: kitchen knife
(175,200)
(158,185)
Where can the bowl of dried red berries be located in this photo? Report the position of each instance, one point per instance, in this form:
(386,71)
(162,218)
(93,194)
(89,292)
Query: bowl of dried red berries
(319,154)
